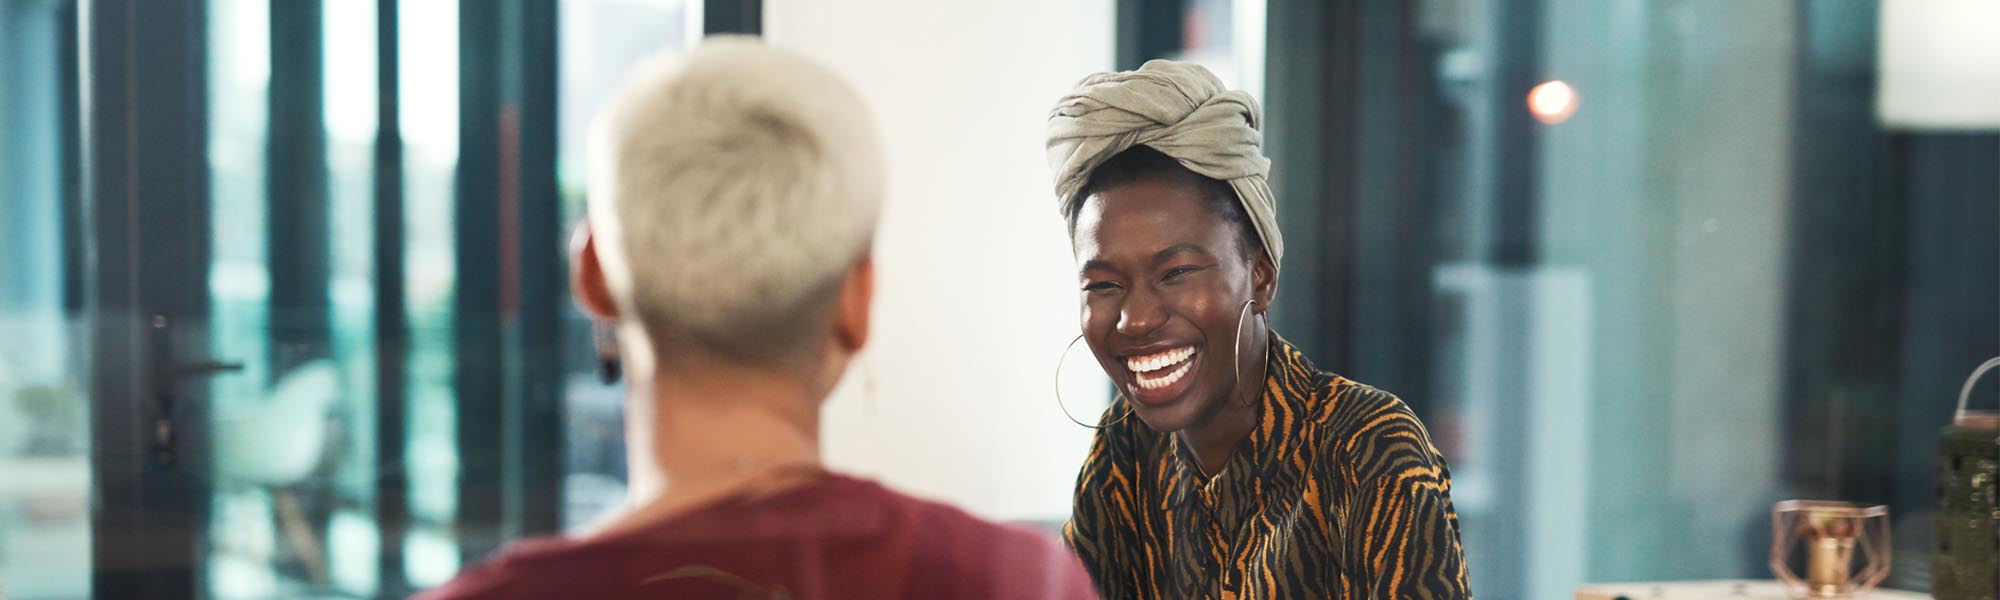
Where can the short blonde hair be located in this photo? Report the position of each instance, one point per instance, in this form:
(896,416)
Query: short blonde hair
(731,188)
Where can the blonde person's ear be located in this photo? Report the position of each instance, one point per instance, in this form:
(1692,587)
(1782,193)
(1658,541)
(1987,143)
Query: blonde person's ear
(587,283)
(857,295)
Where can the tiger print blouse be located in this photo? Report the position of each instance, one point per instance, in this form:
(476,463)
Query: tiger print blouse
(1337,493)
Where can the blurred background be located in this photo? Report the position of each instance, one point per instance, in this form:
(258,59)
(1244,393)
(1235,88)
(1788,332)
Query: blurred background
(283,306)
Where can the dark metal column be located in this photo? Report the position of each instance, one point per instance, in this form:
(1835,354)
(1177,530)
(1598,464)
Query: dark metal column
(544,289)
(477,344)
(1147,29)
(295,183)
(732,16)
(69,101)
(392,483)
(1516,201)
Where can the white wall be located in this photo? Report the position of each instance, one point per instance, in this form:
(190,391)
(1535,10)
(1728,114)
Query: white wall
(1940,65)
(975,293)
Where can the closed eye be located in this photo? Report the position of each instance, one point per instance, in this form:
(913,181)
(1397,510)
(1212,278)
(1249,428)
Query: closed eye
(1100,285)
(1178,272)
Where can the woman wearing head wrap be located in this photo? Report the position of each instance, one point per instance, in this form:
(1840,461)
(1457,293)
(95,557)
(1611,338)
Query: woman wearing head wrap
(1229,466)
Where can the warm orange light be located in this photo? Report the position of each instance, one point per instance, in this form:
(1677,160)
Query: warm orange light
(1552,102)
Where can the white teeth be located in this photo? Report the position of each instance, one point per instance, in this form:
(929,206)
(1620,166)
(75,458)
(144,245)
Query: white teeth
(1164,380)
(1155,362)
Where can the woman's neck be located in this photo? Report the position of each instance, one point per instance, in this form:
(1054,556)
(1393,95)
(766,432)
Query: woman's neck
(1215,438)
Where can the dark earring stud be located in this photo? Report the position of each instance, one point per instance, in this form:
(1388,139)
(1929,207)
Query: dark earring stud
(609,366)
(608,369)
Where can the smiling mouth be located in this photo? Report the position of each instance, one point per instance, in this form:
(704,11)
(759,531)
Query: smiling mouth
(1161,369)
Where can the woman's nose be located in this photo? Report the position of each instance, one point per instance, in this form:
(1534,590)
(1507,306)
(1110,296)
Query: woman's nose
(1141,314)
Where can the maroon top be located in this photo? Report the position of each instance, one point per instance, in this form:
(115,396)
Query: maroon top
(836,537)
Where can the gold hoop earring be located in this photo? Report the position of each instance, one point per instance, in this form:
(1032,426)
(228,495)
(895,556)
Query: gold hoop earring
(1236,364)
(1065,407)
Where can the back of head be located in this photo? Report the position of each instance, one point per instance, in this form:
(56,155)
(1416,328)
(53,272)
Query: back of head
(731,189)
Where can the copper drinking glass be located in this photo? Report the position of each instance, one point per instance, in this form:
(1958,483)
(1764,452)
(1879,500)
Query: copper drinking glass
(1846,547)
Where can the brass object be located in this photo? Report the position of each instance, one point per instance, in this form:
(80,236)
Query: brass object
(1827,560)
(1846,547)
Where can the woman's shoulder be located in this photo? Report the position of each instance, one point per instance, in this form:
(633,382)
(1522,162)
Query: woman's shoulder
(1333,403)
(1368,427)
(1346,403)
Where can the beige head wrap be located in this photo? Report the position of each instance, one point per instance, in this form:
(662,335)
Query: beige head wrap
(1179,109)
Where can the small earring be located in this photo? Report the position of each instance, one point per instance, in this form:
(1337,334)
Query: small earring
(868,385)
(1065,407)
(605,339)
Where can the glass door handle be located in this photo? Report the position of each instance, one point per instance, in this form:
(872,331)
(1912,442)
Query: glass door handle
(207,368)
(166,379)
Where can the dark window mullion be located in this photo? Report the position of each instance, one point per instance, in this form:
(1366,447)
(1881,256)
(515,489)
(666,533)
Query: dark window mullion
(542,282)
(732,16)
(477,346)
(300,318)
(392,484)
(70,104)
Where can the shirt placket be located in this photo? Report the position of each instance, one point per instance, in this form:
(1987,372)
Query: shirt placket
(1215,504)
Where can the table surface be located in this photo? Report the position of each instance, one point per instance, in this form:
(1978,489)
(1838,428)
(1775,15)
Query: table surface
(1702,590)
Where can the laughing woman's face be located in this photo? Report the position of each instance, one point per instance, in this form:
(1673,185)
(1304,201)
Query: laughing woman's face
(1164,282)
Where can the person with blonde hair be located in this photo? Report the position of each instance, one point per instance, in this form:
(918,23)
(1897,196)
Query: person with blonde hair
(734,194)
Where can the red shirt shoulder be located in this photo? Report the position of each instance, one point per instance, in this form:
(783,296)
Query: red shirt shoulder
(838,537)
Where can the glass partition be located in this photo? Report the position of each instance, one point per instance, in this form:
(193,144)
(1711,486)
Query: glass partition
(45,475)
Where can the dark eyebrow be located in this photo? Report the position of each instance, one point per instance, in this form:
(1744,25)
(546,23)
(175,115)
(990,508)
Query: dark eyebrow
(1158,257)
(1181,248)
